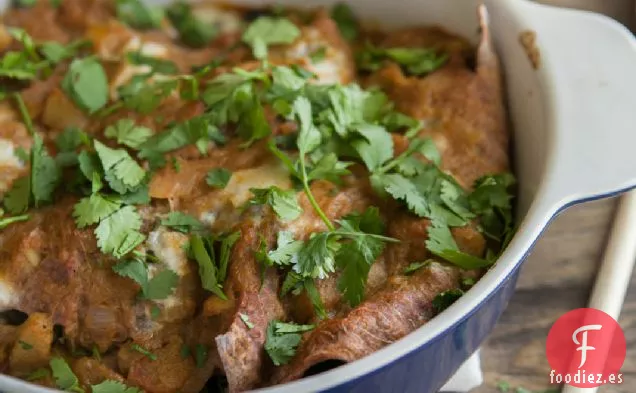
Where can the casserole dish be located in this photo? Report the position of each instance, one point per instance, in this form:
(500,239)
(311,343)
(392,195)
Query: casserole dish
(561,108)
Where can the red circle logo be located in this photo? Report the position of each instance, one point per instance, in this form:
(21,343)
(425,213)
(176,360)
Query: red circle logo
(585,348)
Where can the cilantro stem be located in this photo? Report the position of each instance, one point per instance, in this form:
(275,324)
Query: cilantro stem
(379,237)
(311,198)
(24,112)
(6,221)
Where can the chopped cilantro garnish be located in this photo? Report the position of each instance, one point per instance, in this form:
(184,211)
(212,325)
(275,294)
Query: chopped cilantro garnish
(342,14)
(94,208)
(111,386)
(182,222)
(86,83)
(197,130)
(443,300)
(441,243)
(415,61)
(23,3)
(26,117)
(246,320)
(185,351)
(143,351)
(38,187)
(192,31)
(6,221)
(159,287)
(139,15)
(284,328)
(218,177)
(65,379)
(127,133)
(119,167)
(25,345)
(282,340)
(208,270)
(118,234)
(356,256)
(212,267)
(415,266)
(200,355)
(70,139)
(160,66)
(283,202)
(318,55)
(503,386)
(40,373)
(267,30)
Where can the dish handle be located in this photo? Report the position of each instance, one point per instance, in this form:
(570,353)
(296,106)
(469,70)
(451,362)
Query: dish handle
(589,66)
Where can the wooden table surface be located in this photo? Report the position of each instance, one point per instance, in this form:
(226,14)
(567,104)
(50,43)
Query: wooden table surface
(557,277)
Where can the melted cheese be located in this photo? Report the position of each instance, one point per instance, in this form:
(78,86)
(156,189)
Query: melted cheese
(169,248)
(223,209)
(331,69)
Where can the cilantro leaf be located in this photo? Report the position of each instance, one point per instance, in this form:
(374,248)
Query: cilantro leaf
(90,210)
(182,222)
(138,15)
(192,31)
(328,167)
(280,347)
(344,17)
(356,256)
(253,124)
(441,243)
(161,285)
(308,136)
(111,386)
(127,133)
(491,201)
(6,221)
(192,131)
(218,177)
(267,30)
(16,200)
(246,320)
(143,351)
(207,267)
(86,83)
(415,61)
(415,266)
(146,97)
(317,257)
(39,373)
(401,188)
(286,251)
(119,233)
(284,328)
(200,355)
(55,52)
(225,251)
(118,165)
(134,269)
(23,3)
(283,202)
(453,197)
(158,65)
(65,379)
(70,139)
(45,175)
(375,148)
(443,300)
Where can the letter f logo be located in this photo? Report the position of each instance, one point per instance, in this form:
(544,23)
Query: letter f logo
(583,344)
